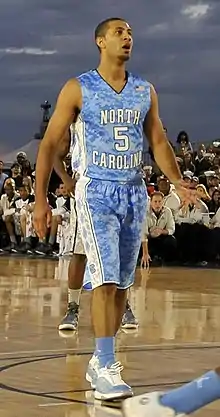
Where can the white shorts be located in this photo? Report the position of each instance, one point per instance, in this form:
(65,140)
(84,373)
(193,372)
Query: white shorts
(78,247)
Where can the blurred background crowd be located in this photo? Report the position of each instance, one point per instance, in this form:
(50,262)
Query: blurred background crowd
(177,233)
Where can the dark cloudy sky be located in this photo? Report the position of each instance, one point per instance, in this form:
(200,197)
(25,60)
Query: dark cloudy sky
(176,47)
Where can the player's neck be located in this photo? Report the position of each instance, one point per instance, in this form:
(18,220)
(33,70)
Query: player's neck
(112,71)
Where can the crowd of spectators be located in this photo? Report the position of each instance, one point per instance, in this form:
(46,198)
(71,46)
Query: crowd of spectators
(174,231)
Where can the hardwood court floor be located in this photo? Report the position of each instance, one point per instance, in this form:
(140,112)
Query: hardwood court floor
(43,373)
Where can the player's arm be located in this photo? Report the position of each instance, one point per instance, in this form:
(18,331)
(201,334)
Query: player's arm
(66,111)
(162,150)
(61,153)
(59,164)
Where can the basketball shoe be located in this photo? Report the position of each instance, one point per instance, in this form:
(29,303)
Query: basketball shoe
(110,385)
(71,318)
(92,371)
(147,405)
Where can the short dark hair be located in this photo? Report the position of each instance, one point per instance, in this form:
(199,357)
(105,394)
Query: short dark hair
(25,187)
(102,27)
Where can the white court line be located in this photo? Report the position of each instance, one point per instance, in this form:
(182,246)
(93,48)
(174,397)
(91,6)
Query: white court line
(55,404)
(136,348)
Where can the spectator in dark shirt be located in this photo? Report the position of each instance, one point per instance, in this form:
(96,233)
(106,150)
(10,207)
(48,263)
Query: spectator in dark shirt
(16,175)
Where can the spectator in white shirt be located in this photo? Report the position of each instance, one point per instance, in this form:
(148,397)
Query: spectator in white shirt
(171,199)
(7,211)
(158,231)
(192,232)
(3,176)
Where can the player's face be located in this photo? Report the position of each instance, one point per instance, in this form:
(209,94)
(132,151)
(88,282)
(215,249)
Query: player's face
(118,41)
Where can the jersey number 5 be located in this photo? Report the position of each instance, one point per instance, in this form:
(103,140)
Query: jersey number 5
(122,139)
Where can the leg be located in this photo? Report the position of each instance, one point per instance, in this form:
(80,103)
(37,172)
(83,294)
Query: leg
(11,231)
(130,241)
(100,229)
(76,272)
(178,402)
(75,280)
(26,244)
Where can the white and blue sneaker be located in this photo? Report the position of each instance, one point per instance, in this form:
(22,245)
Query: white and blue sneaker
(109,384)
(147,405)
(92,371)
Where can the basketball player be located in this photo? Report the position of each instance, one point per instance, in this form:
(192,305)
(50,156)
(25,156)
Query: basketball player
(77,263)
(179,402)
(111,109)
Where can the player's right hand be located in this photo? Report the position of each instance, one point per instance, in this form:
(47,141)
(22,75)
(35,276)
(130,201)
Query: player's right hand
(145,261)
(42,217)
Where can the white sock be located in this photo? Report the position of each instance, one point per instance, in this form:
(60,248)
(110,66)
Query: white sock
(74,295)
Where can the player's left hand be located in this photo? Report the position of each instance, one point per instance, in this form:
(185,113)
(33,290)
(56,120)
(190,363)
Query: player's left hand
(184,192)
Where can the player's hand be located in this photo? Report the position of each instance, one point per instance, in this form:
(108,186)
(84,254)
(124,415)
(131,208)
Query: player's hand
(185,193)
(42,217)
(145,261)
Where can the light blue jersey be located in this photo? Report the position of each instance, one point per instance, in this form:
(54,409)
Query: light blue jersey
(109,130)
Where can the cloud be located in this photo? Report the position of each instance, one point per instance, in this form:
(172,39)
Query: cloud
(27,51)
(176,46)
(196,11)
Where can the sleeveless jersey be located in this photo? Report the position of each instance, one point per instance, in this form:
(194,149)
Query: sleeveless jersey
(109,130)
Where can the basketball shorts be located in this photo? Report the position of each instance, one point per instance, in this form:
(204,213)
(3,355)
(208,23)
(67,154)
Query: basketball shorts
(110,217)
(77,244)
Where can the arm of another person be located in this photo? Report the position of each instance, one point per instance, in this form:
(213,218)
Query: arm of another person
(66,111)
(162,150)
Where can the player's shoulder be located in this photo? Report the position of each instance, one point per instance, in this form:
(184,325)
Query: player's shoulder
(140,81)
(87,77)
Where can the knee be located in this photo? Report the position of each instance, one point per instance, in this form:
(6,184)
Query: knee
(107,290)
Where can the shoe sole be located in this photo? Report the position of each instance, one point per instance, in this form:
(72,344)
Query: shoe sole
(68,327)
(111,397)
(130,326)
(89,379)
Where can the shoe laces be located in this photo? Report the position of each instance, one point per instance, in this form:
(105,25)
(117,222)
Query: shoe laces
(73,308)
(115,368)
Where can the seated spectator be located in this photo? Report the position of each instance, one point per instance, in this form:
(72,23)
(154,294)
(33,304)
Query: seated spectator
(3,176)
(58,214)
(183,144)
(158,231)
(23,218)
(8,211)
(203,164)
(214,244)
(26,173)
(192,232)
(194,182)
(214,204)
(16,175)
(171,199)
(213,180)
(202,193)
(188,179)
(21,157)
(212,189)
(188,164)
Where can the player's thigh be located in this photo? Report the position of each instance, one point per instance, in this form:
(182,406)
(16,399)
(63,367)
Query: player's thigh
(130,237)
(99,228)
